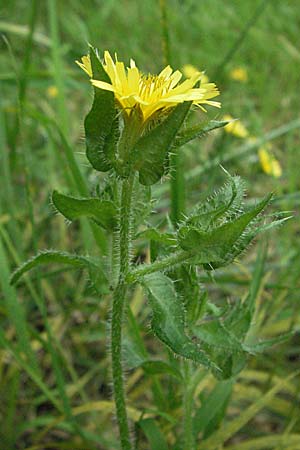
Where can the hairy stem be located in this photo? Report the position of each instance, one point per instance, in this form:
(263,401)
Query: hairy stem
(118,312)
(160,264)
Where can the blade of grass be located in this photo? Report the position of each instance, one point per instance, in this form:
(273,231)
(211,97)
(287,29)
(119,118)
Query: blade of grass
(57,65)
(15,311)
(288,442)
(8,201)
(22,83)
(232,427)
(31,372)
(11,410)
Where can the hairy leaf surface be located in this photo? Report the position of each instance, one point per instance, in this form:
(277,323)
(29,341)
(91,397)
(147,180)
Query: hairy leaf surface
(168,320)
(102,211)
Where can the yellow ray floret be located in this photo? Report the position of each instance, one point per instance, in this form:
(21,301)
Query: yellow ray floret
(151,93)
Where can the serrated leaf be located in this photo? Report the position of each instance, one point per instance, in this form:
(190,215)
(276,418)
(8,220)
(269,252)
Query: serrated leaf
(215,244)
(222,204)
(243,243)
(151,150)
(51,257)
(197,131)
(100,123)
(168,319)
(102,211)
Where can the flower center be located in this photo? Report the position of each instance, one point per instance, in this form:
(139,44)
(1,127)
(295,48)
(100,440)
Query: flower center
(153,86)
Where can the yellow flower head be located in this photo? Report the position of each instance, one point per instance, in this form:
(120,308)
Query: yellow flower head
(268,162)
(236,127)
(239,74)
(151,93)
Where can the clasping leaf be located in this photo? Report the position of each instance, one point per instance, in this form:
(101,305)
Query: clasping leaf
(101,122)
(168,320)
(101,211)
(217,245)
(197,131)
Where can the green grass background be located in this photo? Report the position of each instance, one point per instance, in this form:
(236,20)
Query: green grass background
(53,352)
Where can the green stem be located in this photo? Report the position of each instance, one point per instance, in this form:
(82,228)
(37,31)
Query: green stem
(190,385)
(160,264)
(188,436)
(118,312)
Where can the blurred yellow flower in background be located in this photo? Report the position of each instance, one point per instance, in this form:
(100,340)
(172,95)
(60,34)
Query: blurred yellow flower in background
(270,165)
(52,91)
(239,74)
(151,93)
(236,127)
(189,71)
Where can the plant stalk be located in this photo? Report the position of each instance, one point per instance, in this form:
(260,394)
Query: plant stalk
(118,313)
(160,264)
(188,392)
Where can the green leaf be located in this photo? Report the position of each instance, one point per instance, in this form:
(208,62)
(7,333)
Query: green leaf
(243,243)
(215,245)
(100,123)
(168,320)
(215,334)
(51,257)
(102,211)
(136,358)
(153,367)
(153,234)
(197,131)
(239,319)
(150,152)
(223,348)
(154,435)
(222,204)
(260,347)
(211,406)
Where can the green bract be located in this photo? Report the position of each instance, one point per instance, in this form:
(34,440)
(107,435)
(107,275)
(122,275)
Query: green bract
(151,151)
